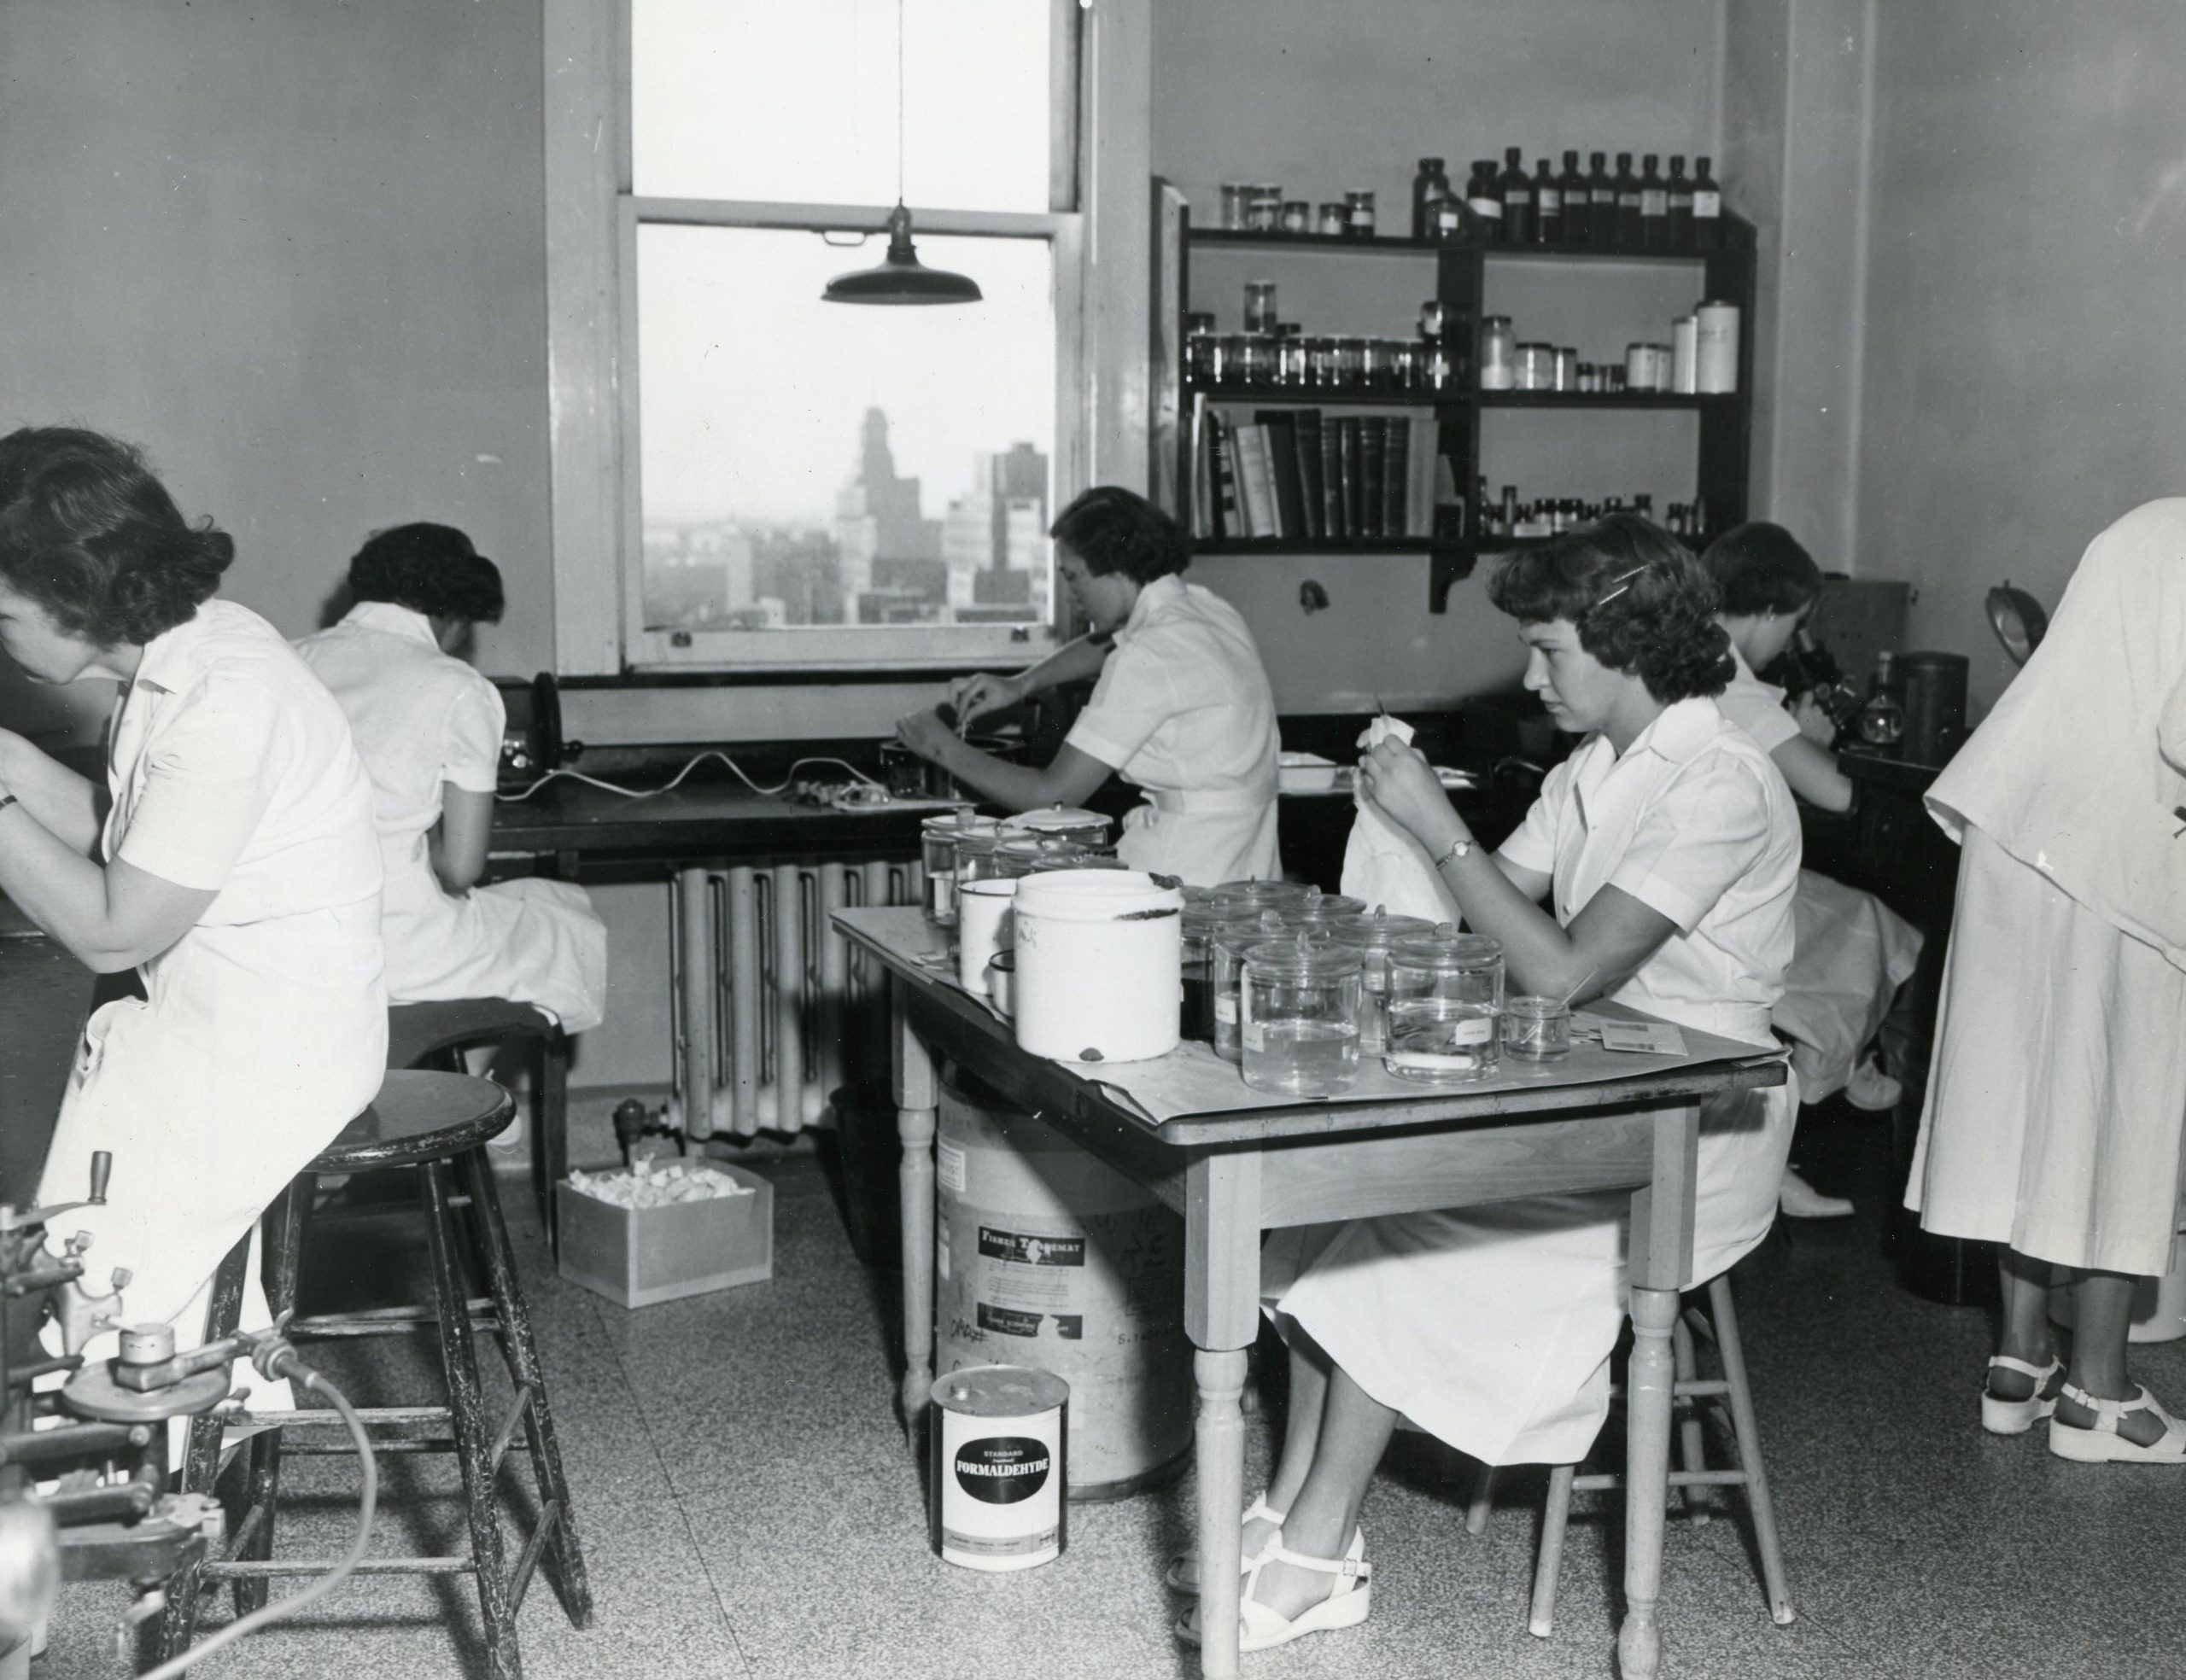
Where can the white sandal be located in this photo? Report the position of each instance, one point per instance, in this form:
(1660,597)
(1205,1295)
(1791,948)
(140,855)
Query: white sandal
(1182,1574)
(2100,1442)
(2016,1417)
(1351,1595)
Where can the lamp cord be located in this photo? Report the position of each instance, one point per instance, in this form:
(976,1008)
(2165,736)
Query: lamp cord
(899,101)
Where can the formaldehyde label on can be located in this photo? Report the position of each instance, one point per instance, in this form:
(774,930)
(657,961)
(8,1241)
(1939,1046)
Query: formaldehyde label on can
(948,1165)
(998,1488)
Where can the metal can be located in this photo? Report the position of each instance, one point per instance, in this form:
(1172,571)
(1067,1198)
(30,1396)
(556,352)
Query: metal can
(1535,368)
(1684,354)
(1640,371)
(1498,349)
(1717,355)
(998,1435)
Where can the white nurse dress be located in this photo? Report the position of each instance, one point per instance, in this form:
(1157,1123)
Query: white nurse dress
(422,719)
(1492,1327)
(1183,711)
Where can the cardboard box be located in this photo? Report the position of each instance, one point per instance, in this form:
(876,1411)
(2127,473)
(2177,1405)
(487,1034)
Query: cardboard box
(636,1257)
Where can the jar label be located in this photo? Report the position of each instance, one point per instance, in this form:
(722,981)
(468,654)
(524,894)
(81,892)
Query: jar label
(944,895)
(1605,195)
(1517,196)
(1469,1029)
(1653,203)
(1707,204)
(1487,207)
(1225,1008)
(1551,202)
(1255,1035)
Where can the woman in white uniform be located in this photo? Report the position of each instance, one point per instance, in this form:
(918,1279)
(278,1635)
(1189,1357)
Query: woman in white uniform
(428,728)
(234,868)
(1667,850)
(1182,708)
(2057,1094)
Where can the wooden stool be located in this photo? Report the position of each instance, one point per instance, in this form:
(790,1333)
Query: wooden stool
(436,1035)
(1686,1391)
(438,1123)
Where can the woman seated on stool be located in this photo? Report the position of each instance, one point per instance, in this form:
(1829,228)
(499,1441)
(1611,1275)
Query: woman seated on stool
(1182,709)
(1667,850)
(234,868)
(1853,951)
(428,728)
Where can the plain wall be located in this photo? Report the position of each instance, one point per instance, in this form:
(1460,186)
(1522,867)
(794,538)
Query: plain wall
(2025,349)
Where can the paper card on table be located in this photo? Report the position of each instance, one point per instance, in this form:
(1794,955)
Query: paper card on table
(1651,1038)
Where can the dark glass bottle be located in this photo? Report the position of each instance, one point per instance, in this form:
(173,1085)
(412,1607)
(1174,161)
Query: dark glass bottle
(1601,204)
(1654,206)
(1428,188)
(1680,195)
(1577,201)
(1517,194)
(1707,209)
(1548,205)
(1485,199)
(1627,205)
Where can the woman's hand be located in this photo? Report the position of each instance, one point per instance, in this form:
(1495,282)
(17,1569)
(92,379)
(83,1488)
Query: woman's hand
(1403,787)
(1817,725)
(926,734)
(976,697)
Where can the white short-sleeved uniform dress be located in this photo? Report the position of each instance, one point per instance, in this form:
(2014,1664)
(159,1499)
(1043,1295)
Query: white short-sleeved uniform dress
(1852,951)
(1182,709)
(422,719)
(263,1028)
(1491,1327)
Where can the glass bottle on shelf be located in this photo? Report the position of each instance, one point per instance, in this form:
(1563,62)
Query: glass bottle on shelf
(1654,206)
(1259,305)
(1234,194)
(1199,347)
(1882,720)
(1430,187)
(1707,208)
(1627,205)
(1577,201)
(1292,365)
(1548,205)
(1499,352)
(1331,221)
(1321,363)
(1516,193)
(1264,208)
(1680,201)
(1485,199)
(1601,203)
(1359,213)
(1297,216)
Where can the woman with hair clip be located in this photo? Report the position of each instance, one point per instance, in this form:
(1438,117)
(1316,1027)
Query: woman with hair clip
(1666,850)
(229,860)
(428,728)
(1182,708)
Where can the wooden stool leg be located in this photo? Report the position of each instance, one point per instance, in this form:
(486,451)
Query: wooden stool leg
(563,1555)
(1749,1440)
(474,1444)
(1482,1502)
(280,1239)
(1548,1564)
(1693,1443)
(550,1149)
(200,1464)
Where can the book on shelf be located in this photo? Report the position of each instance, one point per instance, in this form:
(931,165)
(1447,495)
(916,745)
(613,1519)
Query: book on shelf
(1222,471)
(1333,521)
(1281,426)
(1374,474)
(1354,477)
(1256,482)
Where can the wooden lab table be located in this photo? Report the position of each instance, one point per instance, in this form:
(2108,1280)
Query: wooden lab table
(1275,1162)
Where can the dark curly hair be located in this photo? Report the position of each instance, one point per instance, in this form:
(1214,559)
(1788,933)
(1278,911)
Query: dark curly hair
(1760,568)
(93,537)
(428,568)
(1112,530)
(1642,604)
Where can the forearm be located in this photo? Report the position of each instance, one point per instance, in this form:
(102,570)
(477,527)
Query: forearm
(1539,956)
(1070,780)
(64,892)
(1074,661)
(64,803)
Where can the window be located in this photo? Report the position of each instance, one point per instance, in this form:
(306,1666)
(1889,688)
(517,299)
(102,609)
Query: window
(815,485)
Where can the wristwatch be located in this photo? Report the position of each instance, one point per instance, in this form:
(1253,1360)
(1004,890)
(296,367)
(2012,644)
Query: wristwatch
(1461,847)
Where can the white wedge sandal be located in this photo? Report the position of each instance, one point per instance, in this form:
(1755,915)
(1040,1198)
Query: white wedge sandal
(1182,1574)
(2016,1417)
(2100,1442)
(1351,1595)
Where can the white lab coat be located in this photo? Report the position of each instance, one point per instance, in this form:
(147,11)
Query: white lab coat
(1182,709)
(422,719)
(1491,1327)
(264,1031)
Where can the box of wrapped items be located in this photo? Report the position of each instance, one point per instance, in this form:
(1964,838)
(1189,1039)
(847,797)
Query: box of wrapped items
(664,1229)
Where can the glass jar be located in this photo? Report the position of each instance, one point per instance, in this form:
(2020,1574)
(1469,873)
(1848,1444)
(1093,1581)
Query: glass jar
(1358,214)
(1535,368)
(1498,349)
(1431,318)
(1204,917)
(938,836)
(1297,216)
(1291,358)
(1227,944)
(1350,362)
(1264,209)
(1259,305)
(1071,823)
(1318,909)
(1436,370)
(1374,363)
(1297,1017)
(1332,222)
(1404,363)
(1372,937)
(1257,365)
(1567,369)
(1234,194)
(1200,340)
(998,856)
(1321,363)
(1261,895)
(1536,1029)
(1445,1003)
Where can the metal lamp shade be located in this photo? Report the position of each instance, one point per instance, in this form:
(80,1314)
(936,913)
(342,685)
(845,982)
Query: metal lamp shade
(2018,620)
(901,277)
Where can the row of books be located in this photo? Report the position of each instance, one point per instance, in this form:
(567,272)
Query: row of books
(1296,474)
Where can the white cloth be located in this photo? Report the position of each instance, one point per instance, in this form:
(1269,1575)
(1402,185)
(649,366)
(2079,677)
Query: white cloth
(1182,709)
(2081,768)
(424,721)
(2058,1086)
(264,1031)
(1383,864)
(1492,1327)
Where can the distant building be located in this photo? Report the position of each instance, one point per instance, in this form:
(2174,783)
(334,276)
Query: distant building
(881,533)
(994,540)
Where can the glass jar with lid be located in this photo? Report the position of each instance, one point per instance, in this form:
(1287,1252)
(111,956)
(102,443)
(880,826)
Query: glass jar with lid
(1358,214)
(1228,941)
(1320,362)
(1372,937)
(1264,209)
(1297,1017)
(1318,909)
(939,837)
(1444,1008)
(1200,340)
(1257,365)
(1259,305)
(1297,216)
(1205,916)
(1233,196)
(1332,221)
(1498,350)
(1261,895)
(1072,823)
(1536,1029)
(998,856)
(1226,363)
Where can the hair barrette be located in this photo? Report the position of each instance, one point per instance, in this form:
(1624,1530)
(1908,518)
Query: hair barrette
(1622,582)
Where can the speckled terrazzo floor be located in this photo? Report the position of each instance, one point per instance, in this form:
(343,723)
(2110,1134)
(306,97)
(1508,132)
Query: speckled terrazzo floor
(748,1507)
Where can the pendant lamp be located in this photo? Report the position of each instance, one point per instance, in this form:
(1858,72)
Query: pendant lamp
(901,277)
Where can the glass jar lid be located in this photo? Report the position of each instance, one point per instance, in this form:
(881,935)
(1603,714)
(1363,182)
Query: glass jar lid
(1259,893)
(1448,950)
(957,824)
(1305,961)
(1381,930)
(1238,935)
(1058,819)
(1319,907)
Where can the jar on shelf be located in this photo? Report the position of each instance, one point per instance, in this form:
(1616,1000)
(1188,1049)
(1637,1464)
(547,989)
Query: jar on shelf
(1257,365)
(1374,363)
(1405,374)
(1350,362)
(1227,363)
(1333,221)
(1358,214)
(1567,369)
(1498,351)
(1199,347)
(1259,305)
(1297,216)
(1536,1029)
(1291,362)
(939,837)
(1437,371)
(1297,1017)
(1373,937)
(1321,363)
(1234,195)
(1534,368)
(1431,318)
(1227,943)
(1264,209)
(1445,1009)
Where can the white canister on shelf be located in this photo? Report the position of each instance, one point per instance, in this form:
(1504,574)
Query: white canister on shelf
(983,928)
(1718,348)
(1098,956)
(1685,355)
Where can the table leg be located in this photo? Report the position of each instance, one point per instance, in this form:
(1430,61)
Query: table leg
(917,1096)
(1222,1286)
